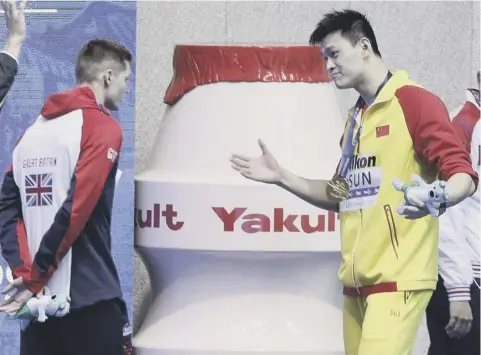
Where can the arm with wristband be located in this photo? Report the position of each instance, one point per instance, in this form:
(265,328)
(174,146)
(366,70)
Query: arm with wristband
(436,142)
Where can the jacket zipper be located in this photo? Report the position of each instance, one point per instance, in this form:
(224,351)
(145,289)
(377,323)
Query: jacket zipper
(354,281)
(353,256)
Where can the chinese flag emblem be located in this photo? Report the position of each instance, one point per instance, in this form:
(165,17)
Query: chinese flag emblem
(382,131)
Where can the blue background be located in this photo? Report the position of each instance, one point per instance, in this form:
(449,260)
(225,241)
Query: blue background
(47,65)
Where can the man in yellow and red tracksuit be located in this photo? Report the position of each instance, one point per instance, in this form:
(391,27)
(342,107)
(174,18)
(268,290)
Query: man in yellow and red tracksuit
(389,242)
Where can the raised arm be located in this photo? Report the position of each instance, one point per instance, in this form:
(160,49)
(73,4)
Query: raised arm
(9,55)
(266,169)
(311,191)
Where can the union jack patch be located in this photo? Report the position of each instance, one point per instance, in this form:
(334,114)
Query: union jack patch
(39,190)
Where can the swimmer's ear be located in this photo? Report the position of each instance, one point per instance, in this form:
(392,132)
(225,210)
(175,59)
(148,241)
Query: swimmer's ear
(107,77)
(366,46)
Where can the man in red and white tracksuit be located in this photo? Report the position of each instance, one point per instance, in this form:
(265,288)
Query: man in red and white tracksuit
(453,314)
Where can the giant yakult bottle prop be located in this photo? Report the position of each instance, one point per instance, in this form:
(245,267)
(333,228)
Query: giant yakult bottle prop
(240,267)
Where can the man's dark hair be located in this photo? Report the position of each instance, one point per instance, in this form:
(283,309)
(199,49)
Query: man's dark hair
(94,52)
(352,24)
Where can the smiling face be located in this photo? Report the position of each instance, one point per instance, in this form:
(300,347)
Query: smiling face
(345,62)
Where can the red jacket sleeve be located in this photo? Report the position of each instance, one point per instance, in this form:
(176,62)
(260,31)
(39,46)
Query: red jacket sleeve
(13,236)
(434,138)
(464,122)
(100,145)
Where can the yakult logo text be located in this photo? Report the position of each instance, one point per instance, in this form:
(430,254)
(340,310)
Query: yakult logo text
(154,217)
(277,222)
(240,219)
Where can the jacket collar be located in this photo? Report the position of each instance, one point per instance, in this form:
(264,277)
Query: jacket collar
(388,92)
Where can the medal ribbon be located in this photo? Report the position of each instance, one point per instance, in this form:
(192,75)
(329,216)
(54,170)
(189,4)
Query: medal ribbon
(351,141)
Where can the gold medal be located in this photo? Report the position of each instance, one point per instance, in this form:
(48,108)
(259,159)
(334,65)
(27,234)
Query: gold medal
(337,189)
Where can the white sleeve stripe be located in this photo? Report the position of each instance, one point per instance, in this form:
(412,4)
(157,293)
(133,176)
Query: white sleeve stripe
(459,297)
(457,289)
(459,293)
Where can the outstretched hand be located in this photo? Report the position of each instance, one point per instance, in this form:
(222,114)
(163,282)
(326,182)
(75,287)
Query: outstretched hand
(412,212)
(263,168)
(421,199)
(415,197)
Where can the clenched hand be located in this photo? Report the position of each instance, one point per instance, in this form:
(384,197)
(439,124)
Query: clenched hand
(461,318)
